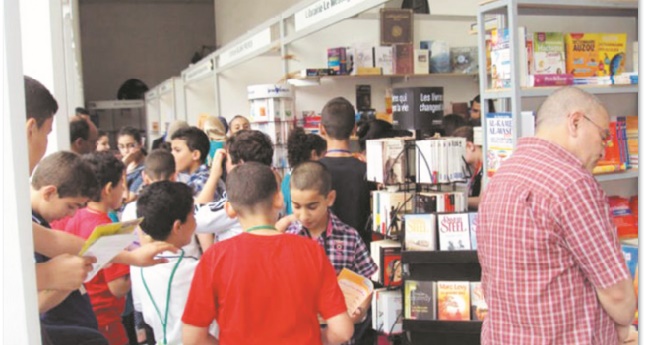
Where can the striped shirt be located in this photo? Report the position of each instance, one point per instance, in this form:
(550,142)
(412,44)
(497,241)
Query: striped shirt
(546,242)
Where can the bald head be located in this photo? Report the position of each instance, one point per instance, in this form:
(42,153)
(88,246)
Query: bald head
(564,101)
(83,134)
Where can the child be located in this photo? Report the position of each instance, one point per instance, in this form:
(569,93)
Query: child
(238,123)
(61,184)
(108,288)
(167,208)
(130,146)
(301,147)
(312,195)
(263,286)
(103,142)
(353,203)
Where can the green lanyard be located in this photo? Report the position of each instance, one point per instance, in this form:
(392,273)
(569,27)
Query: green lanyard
(163,320)
(261,227)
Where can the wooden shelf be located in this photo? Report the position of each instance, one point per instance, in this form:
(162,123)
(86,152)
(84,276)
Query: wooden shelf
(439,257)
(438,326)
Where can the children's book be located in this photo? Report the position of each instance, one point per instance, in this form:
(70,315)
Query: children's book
(420,300)
(548,53)
(106,241)
(582,54)
(500,59)
(453,300)
(612,54)
(499,140)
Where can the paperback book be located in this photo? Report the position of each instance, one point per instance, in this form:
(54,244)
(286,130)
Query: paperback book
(453,231)
(453,300)
(420,232)
(420,300)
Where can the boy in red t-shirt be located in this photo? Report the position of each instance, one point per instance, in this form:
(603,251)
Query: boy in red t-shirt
(263,287)
(108,288)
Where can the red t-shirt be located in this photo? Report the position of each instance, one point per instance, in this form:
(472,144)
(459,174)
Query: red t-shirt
(264,290)
(107,307)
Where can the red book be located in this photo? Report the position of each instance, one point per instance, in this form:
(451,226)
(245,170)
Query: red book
(553,79)
(404,59)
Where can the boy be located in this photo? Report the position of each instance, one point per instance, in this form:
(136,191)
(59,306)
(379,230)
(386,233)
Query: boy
(312,195)
(263,286)
(167,208)
(108,289)
(61,184)
(353,204)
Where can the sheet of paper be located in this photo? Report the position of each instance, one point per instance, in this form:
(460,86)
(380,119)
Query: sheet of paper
(105,249)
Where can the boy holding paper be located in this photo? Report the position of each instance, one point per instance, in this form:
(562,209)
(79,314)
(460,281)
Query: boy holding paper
(108,288)
(312,196)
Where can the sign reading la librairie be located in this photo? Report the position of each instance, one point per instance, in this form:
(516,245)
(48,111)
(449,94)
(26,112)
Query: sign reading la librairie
(321,10)
(245,47)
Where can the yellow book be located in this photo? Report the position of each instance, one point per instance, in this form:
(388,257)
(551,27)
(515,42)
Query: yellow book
(612,53)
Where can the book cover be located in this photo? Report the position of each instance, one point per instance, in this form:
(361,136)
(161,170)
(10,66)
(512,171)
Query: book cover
(403,62)
(500,53)
(388,210)
(387,311)
(612,54)
(363,97)
(383,58)
(387,161)
(479,308)
(499,140)
(391,265)
(440,57)
(440,202)
(363,57)
(356,288)
(337,60)
(582,58)
(420,300)
(472,220)
(453,300)
(376,246)
(611,151)
(453,231)
(464,60)
(420,232)
(553,79)
(396,26)
(548,53)
(421,61)
(428,161)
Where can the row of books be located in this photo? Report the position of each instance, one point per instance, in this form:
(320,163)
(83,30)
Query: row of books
(630,249)
(625,216)
(444,300)
(401,160)
(444,231)
(622,150)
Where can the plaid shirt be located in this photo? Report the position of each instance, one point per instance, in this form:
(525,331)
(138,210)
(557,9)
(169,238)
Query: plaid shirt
(342,244)
(198,181)
(546,242)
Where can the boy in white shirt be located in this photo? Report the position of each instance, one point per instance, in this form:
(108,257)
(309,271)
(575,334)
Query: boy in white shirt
(161,291)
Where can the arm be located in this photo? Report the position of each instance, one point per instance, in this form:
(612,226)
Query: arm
(360,313)
(120,287)
(619,302)
(49,299)
(197,335)
(340,329)
(63,272)
(52,243)
(207,194)
(283,223)
(473,202)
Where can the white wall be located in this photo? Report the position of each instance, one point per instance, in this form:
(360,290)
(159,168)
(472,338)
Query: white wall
(148,41)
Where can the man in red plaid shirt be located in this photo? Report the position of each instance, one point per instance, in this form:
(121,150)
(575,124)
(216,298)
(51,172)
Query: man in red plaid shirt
(552,268)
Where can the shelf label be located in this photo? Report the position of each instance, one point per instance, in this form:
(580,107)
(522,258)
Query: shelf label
(199,70)
(320,11)
(269,91)
(245,47)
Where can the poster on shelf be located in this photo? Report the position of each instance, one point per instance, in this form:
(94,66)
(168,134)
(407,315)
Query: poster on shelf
(499,140)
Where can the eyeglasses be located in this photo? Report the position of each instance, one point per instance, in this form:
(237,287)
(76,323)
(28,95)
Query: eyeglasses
(604,132)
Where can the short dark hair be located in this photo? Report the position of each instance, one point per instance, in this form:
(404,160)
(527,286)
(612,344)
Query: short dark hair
(79,129)
(451,122)
(161,204)
(132,132)
(301,144)
(107,169)
(491,103)
(465,132)
(338,118)
(160,165)
(101,133)
(251,187)
(67,171)
(250,146)
(311,175)
(40,105)
(82,111)
(196,139)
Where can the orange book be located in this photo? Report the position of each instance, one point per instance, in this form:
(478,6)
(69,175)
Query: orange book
(612,154)
(582,52)
(453,300)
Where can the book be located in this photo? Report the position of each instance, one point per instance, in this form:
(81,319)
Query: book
(582,54)
(388,210)
(453,231)
(337,60)
(387,161)
(387,311)
(356,289)
(612,54)
(499,140)
(376,247)
(453,300)
(479,308)
(391,265)
(548,53)
(316,72)
(403,61)
(441,202)
(500,53)
(525,46)
(553,79)
(383,58)
(472,220)
(464,60)
(106,241)
(396,26)
(439,56)
(631,253)
(421,61)
(420,232)
(363,97)
(420,297)
(362,57)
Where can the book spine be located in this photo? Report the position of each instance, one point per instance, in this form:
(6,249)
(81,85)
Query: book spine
(552,79)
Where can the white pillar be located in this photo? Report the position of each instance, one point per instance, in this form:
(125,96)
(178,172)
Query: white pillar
(19,318)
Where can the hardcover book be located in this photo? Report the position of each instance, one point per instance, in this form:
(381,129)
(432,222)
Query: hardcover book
(387,311)
(420,232)
(376,247)
(548,53)
(396,26)
(464,60)
(453,300)
(391,265)
(500,59)
(421,61)
(612,54)
(479,308)
(383,58)
(453,231)
(582,54)
(337,60)
(440,57)
(420,297)
(403,62)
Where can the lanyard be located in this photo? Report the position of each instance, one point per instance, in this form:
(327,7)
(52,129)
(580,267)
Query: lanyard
(338,151)
(261,227)
(163,320)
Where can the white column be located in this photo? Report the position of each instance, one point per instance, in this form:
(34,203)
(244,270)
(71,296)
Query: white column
(19,318)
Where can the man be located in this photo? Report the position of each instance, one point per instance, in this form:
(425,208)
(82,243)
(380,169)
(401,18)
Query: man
(552,267)
(83,135)
(475,111)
